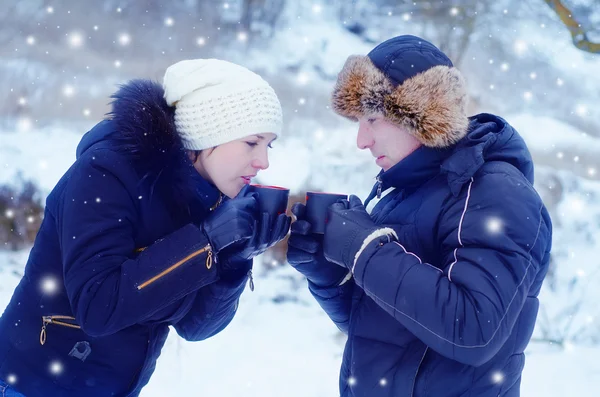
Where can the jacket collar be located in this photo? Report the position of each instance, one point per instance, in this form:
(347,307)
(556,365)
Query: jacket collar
(412,171)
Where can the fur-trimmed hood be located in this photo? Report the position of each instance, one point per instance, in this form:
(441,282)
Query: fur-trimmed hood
(431,103)
(141,126)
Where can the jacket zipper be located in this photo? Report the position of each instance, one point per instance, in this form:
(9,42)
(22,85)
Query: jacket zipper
(209,263)
(379,187)
(417,373)
(55,320)
(250,280)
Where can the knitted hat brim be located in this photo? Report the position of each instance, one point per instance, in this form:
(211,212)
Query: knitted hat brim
(430,105)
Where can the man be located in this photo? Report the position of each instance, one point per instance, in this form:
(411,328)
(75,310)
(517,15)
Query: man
(436,284)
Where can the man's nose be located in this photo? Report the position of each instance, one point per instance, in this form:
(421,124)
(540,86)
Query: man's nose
(364,138)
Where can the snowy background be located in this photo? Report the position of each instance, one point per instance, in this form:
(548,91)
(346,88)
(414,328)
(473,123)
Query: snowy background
(60,60)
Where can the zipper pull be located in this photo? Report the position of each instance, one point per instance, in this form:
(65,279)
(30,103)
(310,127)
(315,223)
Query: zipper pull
(45,321)
(379,186)
(209,258)
(251,280)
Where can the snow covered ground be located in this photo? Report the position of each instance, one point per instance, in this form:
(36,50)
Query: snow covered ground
(281,344)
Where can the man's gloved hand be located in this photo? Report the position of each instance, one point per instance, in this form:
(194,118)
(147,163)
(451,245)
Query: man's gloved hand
(231,222)
(305,253)
(349,230)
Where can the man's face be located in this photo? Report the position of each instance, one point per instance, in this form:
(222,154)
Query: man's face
(388,143)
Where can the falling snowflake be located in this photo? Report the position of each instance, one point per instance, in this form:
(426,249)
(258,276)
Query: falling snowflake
(75,40)
(498,377)
(49,285)
(56,368)
(352,381)
(124,39)
(11,379)
(520,47)
(494,225)
(68,90)
(382,382)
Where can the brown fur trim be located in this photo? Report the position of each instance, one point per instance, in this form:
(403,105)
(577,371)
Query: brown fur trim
(431,105)
(360,89)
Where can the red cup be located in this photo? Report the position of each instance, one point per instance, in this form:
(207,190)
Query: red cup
(317,204)
(271,199)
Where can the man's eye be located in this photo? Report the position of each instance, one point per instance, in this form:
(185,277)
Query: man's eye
(371,120)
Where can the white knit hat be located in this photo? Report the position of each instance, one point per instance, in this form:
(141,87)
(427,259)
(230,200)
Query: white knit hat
(218,101)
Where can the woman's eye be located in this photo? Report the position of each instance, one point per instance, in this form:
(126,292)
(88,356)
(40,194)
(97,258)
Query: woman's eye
(252,144)
(371,120)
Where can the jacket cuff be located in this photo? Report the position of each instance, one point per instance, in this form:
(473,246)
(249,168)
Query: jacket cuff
(375,235)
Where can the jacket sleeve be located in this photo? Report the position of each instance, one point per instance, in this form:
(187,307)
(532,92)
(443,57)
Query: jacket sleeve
(108,286)
(213,309)
(494,239)
(336,301)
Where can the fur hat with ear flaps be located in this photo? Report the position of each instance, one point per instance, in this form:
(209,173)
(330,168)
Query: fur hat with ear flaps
(412,84)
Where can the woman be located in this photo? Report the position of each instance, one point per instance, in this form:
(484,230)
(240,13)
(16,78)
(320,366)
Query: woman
(151,227)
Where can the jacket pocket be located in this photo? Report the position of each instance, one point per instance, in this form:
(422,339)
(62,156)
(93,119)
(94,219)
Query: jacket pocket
(62,321)
(175,266)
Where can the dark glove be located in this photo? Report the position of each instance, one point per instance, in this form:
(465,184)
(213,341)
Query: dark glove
(349,227)
(305,253)
(231,222)
(267,234)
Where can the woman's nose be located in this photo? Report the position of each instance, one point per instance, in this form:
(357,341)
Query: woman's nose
(261,161)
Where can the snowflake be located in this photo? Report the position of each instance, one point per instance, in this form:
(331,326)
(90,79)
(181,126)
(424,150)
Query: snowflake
(75,39)
(382,382)
(68,90)
(11,379)
(520,47)
(498,377)
(303,78)
(124,39)
(49,285)
(352,381)
(494,225)
(56,368)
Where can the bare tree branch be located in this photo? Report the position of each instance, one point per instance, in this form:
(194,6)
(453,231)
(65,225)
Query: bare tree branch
(578,34)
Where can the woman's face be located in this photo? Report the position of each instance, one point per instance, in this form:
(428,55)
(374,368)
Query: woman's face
(232,165)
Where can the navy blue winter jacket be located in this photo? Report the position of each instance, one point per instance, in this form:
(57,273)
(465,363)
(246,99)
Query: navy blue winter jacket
(448,309)
(118,259)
